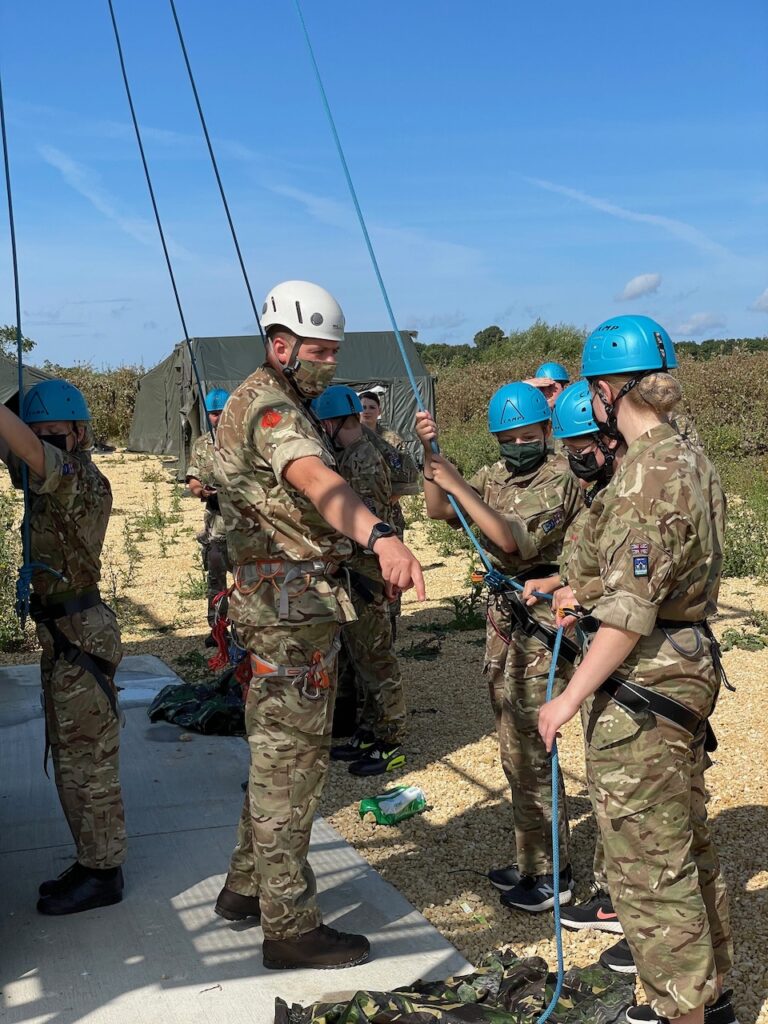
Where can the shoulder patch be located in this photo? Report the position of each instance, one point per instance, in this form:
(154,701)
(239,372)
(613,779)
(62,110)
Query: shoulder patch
(394,460)
(640,549)
(271,418)
(68,468)
(640,565)
(551,523)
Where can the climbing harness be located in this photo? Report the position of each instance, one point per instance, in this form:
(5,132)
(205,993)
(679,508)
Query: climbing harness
(280,573)
(312,681)
(156,211)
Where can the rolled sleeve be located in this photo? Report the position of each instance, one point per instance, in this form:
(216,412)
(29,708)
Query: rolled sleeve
(297,448)
(626,611)
(528,544)
(60,476)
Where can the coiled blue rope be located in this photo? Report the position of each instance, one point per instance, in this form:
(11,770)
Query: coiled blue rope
(493,576)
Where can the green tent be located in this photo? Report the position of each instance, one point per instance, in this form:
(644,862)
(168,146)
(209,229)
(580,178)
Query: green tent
(168,416)
(9,380)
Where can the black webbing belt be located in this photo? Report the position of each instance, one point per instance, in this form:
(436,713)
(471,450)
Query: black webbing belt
(48,614)
(631,697)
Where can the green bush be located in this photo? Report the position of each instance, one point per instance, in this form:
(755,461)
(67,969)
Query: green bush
(110,394)
(12,636)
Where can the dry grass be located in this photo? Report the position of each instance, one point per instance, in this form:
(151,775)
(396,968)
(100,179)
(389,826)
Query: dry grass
(453,756)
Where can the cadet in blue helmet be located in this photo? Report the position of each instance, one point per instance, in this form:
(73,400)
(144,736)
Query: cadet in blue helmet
(78,634)
(550,379)
(647,570)
(201,481)
(376,744)
(522,504)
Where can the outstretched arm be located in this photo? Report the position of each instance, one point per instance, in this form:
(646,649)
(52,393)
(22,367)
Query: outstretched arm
(341,508)
(22,441)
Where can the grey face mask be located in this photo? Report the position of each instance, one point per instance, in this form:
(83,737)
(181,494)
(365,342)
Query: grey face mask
(523,458)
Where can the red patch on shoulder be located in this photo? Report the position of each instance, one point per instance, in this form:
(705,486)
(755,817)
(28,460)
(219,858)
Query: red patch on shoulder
(271,418)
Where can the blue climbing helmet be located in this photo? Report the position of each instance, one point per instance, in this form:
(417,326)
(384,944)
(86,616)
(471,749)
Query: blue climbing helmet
(555,371)
(572,415)
(216,400)
(516,405)
(627,344)
(53,400)
(338,400)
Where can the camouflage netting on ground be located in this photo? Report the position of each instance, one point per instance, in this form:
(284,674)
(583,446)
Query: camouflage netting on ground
(503,990)
(201,707)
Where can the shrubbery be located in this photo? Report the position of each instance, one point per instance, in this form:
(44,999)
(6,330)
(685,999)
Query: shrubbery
(12,636)
(111,396)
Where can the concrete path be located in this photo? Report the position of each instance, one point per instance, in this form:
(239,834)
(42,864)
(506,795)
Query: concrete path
(162,956)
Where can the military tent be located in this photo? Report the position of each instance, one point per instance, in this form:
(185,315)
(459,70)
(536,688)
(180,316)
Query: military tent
(9,380)
(168,416)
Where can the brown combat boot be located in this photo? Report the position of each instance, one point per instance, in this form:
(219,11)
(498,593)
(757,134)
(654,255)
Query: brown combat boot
(233,906)
(322,949)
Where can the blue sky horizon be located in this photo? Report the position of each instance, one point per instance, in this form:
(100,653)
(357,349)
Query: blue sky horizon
(513,162)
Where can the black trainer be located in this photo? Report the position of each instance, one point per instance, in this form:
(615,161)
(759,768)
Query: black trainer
(64,880)
(86,891)
(379,758)
(505,878)
(233,906)
(597,912)
(360,742)
(535,894)
(619,958)
(719,1012)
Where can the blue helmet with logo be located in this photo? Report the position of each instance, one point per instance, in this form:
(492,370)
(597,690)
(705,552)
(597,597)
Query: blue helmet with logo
(627,344)
(216,400)
(555,371)
(338,400)
(572,415)
(53,400)
(516,405)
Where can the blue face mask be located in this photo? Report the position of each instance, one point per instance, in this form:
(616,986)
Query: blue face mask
(522,458)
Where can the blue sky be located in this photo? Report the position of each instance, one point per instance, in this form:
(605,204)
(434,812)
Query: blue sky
(513,161)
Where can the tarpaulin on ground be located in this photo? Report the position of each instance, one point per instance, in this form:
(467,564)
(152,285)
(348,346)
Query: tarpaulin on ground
(210,708)
(503,990)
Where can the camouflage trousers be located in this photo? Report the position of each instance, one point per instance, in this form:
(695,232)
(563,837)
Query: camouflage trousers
(368,642)
(216,565)
(663,871)
(289,737)
(84,737)
(517,682)
(598,862)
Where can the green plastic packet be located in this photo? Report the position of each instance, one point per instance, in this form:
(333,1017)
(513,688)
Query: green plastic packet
(393,805)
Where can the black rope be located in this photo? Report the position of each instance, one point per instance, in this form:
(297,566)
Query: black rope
(25,571)
(157,213)
(215,165)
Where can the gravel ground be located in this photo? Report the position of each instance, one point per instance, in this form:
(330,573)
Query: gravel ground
(438,860)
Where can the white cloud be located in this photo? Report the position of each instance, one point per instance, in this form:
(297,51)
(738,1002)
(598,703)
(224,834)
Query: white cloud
(88,184)
(699,323)
(636,287)
(678,228)
(760,305)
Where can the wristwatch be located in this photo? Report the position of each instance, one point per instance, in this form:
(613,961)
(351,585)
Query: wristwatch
(379,530)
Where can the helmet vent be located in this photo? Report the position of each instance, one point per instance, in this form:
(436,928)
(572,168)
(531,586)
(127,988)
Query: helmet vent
(298,312)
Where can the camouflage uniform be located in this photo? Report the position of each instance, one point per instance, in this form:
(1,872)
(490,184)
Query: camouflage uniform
(369,639)
(405,480)
(538,506)
(272,529)
(652,550)
(70,506)
(212,538)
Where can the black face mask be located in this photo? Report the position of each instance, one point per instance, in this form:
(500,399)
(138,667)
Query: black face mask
(585,466)
(57,440)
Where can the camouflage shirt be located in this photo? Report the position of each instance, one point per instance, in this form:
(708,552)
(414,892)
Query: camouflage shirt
(538,507)
(201,467)
(264,428)
(69,514)
(404,472)
(367,473)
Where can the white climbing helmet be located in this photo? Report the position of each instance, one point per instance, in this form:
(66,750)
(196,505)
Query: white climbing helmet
(305,309)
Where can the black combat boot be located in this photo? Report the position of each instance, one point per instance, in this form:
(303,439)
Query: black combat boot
(87,889)
(64,880)
(321,949)
(233,906)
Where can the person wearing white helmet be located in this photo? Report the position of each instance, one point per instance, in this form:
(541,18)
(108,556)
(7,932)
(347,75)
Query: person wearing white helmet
(291,522)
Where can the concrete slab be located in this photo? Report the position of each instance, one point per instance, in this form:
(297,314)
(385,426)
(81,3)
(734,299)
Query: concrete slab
(140,677)
(162,955)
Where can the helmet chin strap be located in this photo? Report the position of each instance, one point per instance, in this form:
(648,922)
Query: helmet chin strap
(609,454)
(610,426)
